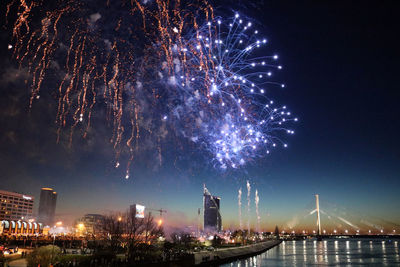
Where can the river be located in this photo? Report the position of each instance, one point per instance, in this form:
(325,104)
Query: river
(330,252)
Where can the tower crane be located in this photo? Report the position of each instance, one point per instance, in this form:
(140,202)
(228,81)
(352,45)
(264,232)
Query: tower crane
(161,211)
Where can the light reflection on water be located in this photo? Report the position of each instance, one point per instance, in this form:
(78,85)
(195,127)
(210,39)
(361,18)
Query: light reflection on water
(331,252)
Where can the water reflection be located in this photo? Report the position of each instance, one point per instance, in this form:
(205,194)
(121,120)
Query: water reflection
(383,252)
(327,253)
(294,251)
(336,251)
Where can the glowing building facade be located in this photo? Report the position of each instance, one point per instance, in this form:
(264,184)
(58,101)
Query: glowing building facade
(15,206)
(9,227)
(92,224)
(47,206)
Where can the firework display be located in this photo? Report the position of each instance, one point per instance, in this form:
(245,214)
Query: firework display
(224,88)
(159,69)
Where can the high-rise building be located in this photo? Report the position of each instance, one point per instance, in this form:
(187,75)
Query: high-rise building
(138,210)
(47,206)
(15,206)
(212,216)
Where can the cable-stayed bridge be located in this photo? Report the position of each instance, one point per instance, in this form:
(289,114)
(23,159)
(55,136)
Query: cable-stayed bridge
(329,220)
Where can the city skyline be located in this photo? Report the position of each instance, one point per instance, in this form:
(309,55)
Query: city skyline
(304,219)
(345,146)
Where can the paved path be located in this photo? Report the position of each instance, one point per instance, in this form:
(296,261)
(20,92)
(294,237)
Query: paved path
(205,257)
(18,263)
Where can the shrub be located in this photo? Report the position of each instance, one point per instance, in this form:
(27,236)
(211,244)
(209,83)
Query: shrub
(43,256)
(81,259)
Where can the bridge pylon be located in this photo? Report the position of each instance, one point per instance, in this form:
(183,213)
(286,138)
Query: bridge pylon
(318,217)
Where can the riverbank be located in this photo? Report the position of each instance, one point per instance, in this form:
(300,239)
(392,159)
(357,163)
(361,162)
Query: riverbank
(203,258)
(330,252)
(207,258)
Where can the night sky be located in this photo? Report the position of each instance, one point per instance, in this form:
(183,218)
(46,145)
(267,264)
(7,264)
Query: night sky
(341,63)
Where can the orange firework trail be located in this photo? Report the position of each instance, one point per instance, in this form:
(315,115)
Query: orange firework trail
(98,63)
(156,69)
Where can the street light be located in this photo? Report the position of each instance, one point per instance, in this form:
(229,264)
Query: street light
(80,229)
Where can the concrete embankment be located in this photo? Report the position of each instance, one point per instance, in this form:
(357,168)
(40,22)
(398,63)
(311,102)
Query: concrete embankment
(230,254)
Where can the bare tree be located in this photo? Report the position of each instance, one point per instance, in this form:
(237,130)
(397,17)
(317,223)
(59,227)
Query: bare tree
(151,230)
(112,230)
(141,234)
(135,235)
(134,228)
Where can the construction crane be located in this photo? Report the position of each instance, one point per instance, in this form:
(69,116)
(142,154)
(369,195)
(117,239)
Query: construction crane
(161,211)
